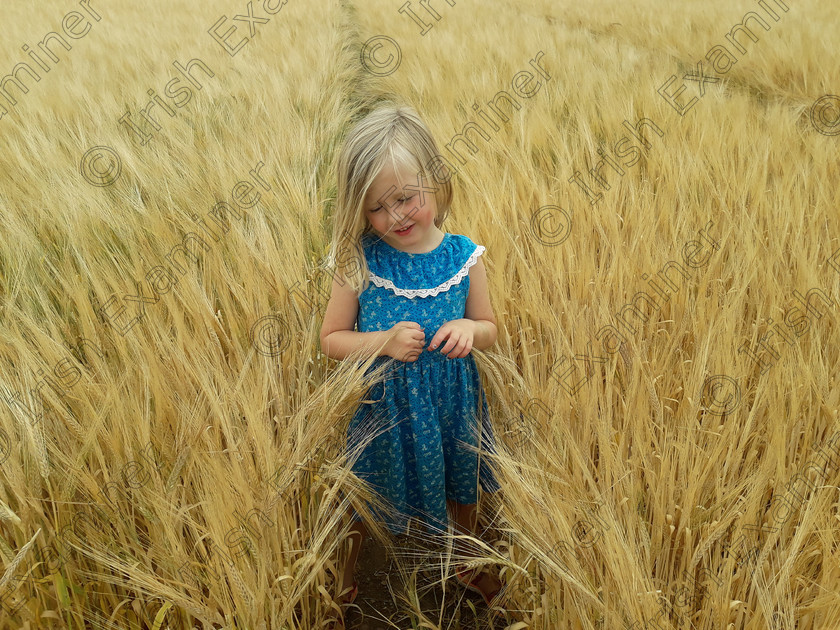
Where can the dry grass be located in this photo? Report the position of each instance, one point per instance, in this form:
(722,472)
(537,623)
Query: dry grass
(628,492)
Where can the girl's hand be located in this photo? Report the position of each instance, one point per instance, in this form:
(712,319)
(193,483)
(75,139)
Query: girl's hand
(460,332)
(407,345)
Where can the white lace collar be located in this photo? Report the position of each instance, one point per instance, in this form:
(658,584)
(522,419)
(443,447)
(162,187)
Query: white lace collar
(445,286)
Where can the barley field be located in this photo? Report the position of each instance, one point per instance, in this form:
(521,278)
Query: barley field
(656,186)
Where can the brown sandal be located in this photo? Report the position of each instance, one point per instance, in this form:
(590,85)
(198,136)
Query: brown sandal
(469,578)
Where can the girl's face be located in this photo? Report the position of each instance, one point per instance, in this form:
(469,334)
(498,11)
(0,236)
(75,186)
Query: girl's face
(396,200)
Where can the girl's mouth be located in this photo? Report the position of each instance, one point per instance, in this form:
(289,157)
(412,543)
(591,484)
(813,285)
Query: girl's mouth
(405,231)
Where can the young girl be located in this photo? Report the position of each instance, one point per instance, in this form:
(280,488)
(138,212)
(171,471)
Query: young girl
(419,297)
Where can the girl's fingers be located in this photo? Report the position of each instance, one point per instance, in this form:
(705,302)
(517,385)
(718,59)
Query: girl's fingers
(465,347)
(456,348)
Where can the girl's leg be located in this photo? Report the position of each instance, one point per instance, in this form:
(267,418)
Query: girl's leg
(465,522)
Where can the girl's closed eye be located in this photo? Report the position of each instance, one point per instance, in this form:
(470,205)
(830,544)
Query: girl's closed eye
(381,207)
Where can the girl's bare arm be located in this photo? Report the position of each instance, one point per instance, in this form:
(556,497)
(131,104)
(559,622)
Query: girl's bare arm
(478,308)
(338,339)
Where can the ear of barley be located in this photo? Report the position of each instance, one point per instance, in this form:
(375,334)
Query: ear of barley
(41,453)
(10,570)
(6,514)
(5,550)
(176,469)
(240,585)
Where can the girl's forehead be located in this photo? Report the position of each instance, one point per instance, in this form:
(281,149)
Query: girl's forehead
(393,173)
(389,177)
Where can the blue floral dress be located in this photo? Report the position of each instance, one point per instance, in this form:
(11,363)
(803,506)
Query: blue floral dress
(426,408)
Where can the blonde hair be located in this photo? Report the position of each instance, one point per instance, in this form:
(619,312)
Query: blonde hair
(390,132)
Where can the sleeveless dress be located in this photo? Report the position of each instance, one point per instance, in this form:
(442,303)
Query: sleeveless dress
(424,409)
